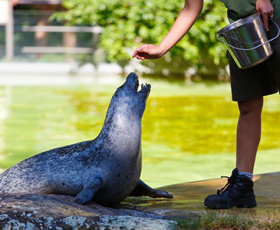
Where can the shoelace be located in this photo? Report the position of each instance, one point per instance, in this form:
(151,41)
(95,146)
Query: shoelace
(228,185)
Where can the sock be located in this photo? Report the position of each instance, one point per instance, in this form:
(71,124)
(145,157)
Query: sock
(250,175)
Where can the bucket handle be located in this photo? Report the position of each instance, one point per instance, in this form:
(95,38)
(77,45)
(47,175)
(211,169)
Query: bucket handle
(252,43)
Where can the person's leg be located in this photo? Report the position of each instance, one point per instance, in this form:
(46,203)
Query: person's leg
(248,134)
(248,88)
(239,189)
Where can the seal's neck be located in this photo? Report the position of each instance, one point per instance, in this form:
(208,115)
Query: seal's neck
(123,125)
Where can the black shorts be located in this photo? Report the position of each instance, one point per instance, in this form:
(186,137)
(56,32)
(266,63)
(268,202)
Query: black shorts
(260,80)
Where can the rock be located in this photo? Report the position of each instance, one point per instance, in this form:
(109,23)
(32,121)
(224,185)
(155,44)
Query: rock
(32,211)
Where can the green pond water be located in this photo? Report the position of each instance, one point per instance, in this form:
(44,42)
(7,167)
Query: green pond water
(188,130)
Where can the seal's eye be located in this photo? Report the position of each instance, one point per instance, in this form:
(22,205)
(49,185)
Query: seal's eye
(116,95)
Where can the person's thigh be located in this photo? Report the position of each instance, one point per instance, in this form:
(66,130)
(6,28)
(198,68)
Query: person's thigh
(251,83)
(273,63)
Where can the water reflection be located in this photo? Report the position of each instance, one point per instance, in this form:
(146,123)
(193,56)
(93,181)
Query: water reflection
(188,130)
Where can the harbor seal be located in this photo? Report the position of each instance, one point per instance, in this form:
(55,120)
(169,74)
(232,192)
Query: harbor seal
(105,170)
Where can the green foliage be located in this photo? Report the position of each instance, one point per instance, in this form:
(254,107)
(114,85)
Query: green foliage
(128,24)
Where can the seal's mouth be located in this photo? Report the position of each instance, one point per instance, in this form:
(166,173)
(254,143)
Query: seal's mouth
(133,83)
(144,87)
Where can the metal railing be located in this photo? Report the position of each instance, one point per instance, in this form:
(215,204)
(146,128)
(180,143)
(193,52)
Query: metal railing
(95,30)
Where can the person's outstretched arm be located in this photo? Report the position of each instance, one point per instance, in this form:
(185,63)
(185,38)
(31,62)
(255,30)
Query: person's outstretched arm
(181,26)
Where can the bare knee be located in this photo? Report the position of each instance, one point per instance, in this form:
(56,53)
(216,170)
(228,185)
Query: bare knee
(251,107)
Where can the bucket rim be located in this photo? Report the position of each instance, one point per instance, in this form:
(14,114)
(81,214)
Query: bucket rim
(238,23)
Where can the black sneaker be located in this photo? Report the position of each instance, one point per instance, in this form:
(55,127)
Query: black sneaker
(237,192)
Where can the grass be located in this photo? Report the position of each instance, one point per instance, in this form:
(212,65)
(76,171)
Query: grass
(224,220)
(272,221)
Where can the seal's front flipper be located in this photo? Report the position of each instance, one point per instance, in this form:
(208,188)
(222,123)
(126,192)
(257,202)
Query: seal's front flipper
(88,192)
(142,189)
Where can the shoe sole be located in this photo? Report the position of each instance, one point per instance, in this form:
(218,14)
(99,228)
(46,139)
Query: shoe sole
(241,203)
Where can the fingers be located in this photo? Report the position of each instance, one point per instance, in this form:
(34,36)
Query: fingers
(144,52)
(148,51)
(265,21)
(266,18)
(134,54)
(265,8)
(140,53)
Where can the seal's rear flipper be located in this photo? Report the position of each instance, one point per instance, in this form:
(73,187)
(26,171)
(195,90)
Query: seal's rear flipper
(142,189)
(89,191)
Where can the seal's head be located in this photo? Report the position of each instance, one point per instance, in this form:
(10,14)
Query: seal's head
(128,99)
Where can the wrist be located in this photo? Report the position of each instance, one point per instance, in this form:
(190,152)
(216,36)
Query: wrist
(163,49)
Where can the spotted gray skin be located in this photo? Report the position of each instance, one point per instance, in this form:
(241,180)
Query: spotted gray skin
(105,170)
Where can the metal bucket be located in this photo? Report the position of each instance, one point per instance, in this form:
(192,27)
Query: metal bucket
(246,41)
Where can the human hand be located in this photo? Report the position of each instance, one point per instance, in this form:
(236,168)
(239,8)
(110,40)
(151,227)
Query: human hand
(148,51)
(265,8)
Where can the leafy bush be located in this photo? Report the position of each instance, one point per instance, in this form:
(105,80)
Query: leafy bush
(129,24)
